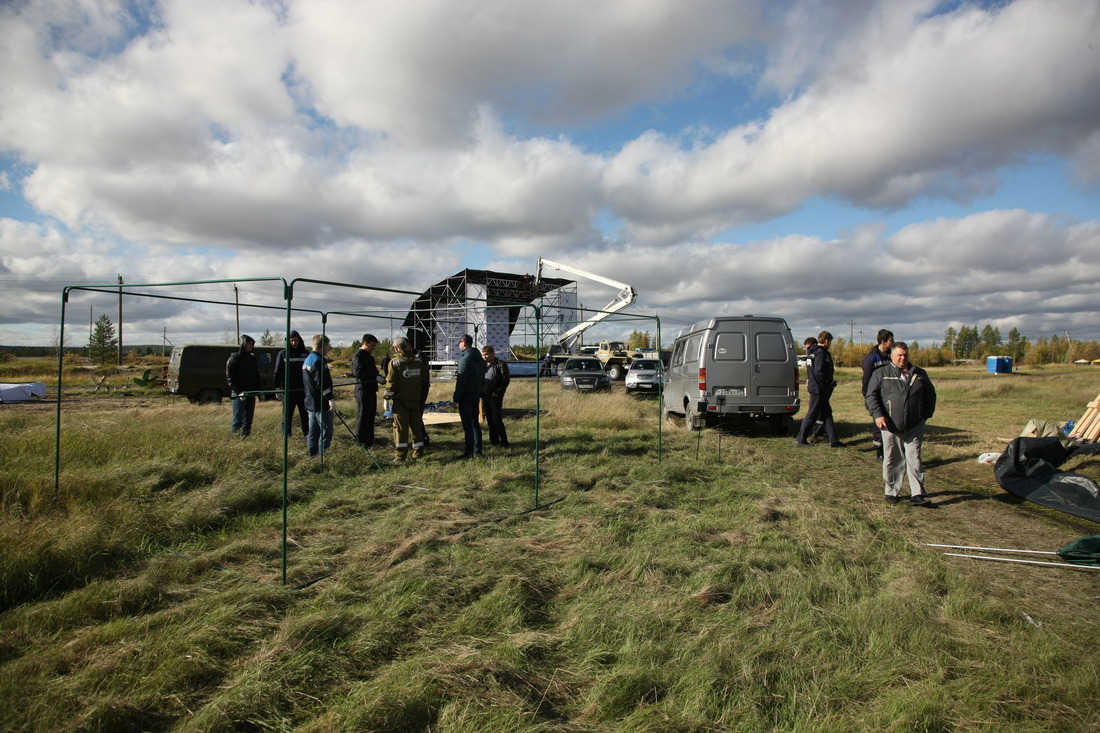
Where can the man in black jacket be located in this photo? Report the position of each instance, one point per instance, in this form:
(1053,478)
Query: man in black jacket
(367,378)
(901,398)
(289,362)
(497,379)
(820,385)
(242,372)
(469,383)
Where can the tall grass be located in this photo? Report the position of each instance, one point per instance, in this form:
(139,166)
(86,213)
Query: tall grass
(738,584)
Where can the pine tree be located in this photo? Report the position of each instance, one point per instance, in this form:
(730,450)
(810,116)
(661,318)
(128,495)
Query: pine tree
(103,346)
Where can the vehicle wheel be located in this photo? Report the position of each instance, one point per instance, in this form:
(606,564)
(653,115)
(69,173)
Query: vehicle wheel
(208,397)
(781,425)
(616,372)
(693,422)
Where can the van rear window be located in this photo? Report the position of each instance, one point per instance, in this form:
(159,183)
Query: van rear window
(729,346)
(771,347)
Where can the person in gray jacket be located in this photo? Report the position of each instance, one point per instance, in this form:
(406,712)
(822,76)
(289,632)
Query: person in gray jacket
(901,399)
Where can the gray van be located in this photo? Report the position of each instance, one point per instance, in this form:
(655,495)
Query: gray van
(729,368)
(197,371)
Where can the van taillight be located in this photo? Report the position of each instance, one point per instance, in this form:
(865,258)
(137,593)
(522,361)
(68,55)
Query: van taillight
(702,379)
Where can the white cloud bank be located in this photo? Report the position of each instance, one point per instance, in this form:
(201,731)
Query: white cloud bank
(374,141)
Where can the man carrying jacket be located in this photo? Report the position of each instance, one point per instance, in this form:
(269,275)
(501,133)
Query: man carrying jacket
(289,362)
(878,356)
(318,392)
(242,372)
(901,399)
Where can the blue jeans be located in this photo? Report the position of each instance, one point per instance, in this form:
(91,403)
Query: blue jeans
(243,410)
(471,423)
(320,431)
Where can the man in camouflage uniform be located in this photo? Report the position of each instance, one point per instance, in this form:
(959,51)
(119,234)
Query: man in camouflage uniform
(406,376)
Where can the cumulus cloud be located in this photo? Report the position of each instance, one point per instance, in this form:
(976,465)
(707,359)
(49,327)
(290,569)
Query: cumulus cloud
(373,141)
(902,105)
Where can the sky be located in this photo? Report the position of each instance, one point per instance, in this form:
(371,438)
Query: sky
(848,165)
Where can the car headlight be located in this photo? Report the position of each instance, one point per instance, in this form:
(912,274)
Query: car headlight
(567,380)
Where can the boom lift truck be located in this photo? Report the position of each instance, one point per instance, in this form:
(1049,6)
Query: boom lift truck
(615,363)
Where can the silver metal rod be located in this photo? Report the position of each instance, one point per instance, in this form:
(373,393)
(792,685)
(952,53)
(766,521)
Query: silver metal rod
(1026,562)
(992,549)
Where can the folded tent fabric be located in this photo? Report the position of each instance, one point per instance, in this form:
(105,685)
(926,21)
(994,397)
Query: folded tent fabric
(1029,469)
(1083,551)
(24,392)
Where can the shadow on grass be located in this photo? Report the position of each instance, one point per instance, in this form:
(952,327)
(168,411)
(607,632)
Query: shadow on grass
(957,497)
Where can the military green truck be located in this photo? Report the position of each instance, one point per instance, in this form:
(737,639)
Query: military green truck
(197,371)
(615,358)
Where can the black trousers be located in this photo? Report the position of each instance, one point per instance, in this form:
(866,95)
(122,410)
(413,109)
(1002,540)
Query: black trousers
(296,400)
(367,404)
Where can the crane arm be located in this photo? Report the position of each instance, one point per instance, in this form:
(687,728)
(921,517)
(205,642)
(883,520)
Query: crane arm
(627,295)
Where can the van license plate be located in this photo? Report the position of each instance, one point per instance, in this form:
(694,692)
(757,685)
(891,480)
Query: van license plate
(729,392)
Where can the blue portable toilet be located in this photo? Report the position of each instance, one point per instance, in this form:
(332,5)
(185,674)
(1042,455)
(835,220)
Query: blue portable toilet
(999,364)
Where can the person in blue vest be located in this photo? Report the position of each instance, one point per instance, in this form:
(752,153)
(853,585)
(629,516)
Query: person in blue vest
(878,356)
(469,383)
(318,388)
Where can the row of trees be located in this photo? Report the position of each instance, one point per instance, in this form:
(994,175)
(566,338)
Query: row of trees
(968,343)
(964,343)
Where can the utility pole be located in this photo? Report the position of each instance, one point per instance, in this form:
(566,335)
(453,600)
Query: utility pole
(851,331)
(120,320)
(237,300)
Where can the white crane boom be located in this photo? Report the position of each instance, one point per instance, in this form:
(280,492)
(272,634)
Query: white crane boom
(627,295)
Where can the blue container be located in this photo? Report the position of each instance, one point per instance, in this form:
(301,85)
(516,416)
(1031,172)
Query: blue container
(999,364)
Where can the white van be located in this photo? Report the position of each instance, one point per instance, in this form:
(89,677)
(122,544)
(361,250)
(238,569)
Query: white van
(730,368)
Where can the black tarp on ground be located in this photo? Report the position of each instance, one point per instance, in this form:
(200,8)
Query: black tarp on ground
(1029,469)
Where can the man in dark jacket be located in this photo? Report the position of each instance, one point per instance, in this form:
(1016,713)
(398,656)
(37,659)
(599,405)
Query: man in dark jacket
(367,378)
(901,398)
(878,356)
(497,379)
(289,362)
(242,372)
(469,382)
(318,387)
(820,385)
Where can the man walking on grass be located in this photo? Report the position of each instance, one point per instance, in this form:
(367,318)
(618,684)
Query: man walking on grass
(901,399)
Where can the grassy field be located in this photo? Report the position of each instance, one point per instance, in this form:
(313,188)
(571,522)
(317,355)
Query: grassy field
(738,584)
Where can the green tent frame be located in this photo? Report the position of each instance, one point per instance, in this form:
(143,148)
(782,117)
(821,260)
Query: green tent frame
(290,309)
